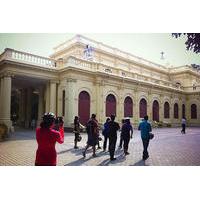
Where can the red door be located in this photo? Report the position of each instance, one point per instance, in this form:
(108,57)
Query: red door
(143,108)
(84,107)
(156,111)
(110,105)
(128,107)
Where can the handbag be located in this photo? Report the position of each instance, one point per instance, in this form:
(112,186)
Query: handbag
(151,136)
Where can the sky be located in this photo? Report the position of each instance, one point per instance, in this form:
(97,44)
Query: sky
(146,45)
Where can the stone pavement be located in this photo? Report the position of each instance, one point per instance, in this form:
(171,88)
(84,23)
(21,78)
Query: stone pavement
(168,148)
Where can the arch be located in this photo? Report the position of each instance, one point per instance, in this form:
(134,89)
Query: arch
(183,110)
(193,111)
(84,107)
(110,105)
(155,110)
(166,110)
(176,110)
(143,107)
(128,107)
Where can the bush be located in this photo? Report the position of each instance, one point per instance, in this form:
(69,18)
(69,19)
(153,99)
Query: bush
(3,131)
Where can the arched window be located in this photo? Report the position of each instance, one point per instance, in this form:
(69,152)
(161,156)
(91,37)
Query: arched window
(143,108)
(84,107)
(193,111)
(176,111)
(155,110)
(166,110)
(110,105)
(128,107)
(183,110)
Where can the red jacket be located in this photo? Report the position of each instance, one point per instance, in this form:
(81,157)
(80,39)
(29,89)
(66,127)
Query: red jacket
(46,138)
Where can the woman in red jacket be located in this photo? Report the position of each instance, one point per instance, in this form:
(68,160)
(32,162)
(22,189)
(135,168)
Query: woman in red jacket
(46,138)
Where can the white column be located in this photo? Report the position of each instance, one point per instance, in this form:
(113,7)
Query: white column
(52,103)
(41,104)
(1,95)
(136,107)
(28,107)
(70,102)
(6,100)
(161,110)
(47,97)
(60,100)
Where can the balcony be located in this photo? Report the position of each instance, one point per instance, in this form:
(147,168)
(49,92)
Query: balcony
(26,58)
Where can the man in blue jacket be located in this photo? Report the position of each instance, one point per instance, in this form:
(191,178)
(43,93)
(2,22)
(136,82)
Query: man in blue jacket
(145,128)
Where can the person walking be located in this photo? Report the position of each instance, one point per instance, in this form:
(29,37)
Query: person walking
(145,128)
(113,127)
(183,124)
(47,137)
(121,139)
(105,133)
(76,131)
(126,134)
(92,131)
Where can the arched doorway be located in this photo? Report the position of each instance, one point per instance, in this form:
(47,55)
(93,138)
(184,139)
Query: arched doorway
(143,108)
(155,111)
(110,105)
(166,110)
(84,107)
(128,107)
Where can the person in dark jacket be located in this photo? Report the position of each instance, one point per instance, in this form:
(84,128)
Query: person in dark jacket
(76,131)
(113,127)
(145,128)
(121,140)
(126,134)
(92,131)
(105,133)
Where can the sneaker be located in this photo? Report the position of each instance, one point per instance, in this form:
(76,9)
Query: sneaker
(75,147)
(112,159)
(127,153)
(94,155)
(83,154)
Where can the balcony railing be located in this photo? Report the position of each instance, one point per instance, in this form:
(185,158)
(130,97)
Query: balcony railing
(27,58)
(100,67)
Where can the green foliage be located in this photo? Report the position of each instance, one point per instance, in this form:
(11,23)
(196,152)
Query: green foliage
(192,42)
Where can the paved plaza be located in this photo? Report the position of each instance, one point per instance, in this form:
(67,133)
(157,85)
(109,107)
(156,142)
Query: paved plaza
(168,148)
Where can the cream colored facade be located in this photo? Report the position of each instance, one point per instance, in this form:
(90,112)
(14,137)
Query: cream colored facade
(110,72)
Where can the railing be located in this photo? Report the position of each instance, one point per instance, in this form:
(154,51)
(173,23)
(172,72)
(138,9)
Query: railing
(192,88)
(99,67)
(13,55)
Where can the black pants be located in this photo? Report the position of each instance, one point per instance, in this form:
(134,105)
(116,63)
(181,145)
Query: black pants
(145,146)
(126,143)
(112,144)
(183,128)
(105,142)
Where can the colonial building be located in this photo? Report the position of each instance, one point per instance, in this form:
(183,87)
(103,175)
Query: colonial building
(99,79)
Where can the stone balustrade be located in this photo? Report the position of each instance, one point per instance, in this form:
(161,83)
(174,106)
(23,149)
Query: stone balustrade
(100,67)
(13,55)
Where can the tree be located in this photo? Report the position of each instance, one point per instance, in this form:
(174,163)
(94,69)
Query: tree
(192,42)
